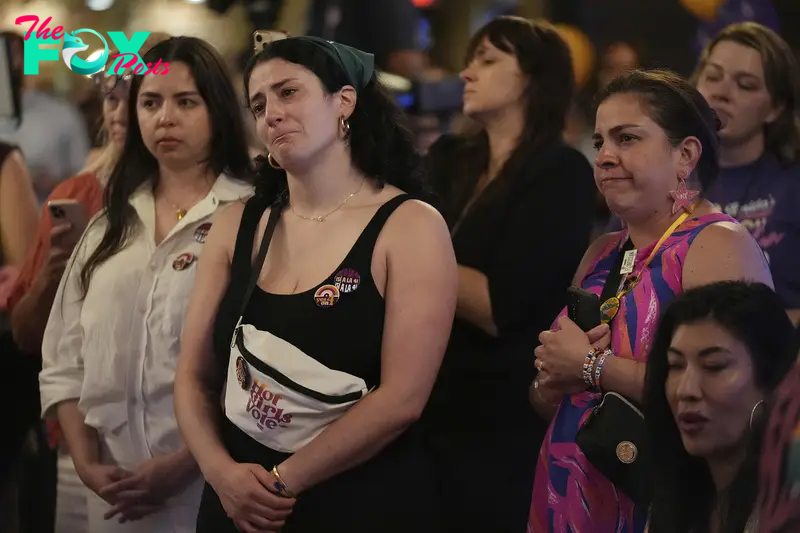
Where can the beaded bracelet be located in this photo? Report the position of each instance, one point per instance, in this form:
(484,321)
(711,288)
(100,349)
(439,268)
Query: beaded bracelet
(598,370)
(588,366)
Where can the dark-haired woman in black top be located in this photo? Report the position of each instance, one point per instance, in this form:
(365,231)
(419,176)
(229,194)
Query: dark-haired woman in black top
(343,333)
(519,204)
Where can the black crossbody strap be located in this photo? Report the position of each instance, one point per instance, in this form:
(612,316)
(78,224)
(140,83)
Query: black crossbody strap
(614,276)
(272,222)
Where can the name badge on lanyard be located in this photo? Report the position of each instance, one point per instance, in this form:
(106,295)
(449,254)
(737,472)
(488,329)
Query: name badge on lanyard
(627,262)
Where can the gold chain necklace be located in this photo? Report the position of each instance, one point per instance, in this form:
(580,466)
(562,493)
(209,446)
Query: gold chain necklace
(180,212)
(323,217)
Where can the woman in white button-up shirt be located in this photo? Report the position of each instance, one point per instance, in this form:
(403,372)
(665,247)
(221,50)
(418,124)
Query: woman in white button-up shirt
(113,337)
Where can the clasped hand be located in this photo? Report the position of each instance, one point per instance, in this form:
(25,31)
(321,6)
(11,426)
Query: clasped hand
(136,494)
(249,499)
(562,353)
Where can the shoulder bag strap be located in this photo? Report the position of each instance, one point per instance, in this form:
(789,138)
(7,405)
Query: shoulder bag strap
(272,222)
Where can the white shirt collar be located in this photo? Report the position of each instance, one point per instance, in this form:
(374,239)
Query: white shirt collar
(225,190)
(228,189)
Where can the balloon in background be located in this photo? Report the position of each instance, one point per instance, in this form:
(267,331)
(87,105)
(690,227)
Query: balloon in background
(703,9)
(582,51)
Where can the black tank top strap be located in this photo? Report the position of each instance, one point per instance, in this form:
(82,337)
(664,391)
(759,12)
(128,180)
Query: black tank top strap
(5,151)
(242,261)
(363,247)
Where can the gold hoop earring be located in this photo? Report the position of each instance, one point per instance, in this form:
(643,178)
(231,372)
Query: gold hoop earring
(271,160)
(345,125)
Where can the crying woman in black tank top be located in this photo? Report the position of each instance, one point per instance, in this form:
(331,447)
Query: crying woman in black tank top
(305,365)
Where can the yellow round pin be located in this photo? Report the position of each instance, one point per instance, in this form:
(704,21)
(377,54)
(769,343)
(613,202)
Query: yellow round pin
(609,309)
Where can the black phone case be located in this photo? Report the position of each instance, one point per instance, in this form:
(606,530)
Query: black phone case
(583,308)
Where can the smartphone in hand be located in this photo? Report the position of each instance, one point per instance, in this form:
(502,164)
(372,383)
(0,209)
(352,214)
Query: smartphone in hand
(73,213)
(261,38)
(583,308)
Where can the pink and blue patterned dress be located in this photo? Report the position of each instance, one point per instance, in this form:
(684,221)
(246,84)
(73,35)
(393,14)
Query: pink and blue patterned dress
(569,494)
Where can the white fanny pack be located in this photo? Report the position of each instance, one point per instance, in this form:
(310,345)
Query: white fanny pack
(274,392)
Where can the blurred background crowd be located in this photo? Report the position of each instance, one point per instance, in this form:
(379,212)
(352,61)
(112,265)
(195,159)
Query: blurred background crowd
(420,40)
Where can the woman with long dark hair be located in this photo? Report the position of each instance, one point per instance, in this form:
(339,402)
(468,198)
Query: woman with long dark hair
(320,314)
(718,354)
(519,203)
(33,293)
(653,132)
(750,76)
(111,345)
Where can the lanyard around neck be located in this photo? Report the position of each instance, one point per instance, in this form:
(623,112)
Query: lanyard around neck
(667,234)
(611,302)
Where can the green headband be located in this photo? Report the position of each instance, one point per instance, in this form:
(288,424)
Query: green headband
(358,66)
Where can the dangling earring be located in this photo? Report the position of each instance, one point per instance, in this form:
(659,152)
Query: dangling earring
(683,198)
(272,162)
(753,413)
(345,125)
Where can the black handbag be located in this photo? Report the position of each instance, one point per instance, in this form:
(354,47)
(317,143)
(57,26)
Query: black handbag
(614,440)
(614,436)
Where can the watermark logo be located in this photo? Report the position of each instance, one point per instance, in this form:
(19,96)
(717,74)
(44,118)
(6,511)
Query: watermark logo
(127,58)
(73,45)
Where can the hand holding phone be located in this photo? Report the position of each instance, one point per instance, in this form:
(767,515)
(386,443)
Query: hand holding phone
(583,308)
(69,222)
(261,38)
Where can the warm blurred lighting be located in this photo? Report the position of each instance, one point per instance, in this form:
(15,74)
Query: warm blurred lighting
(227,33)
(195,1)
(424,3)
(57,9)
(394,82)
(99,5)
(581,50)
(703,9)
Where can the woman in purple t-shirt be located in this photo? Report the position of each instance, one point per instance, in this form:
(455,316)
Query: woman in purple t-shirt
(750,76)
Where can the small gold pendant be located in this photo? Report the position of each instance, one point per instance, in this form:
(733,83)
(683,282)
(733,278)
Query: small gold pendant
(180,213)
